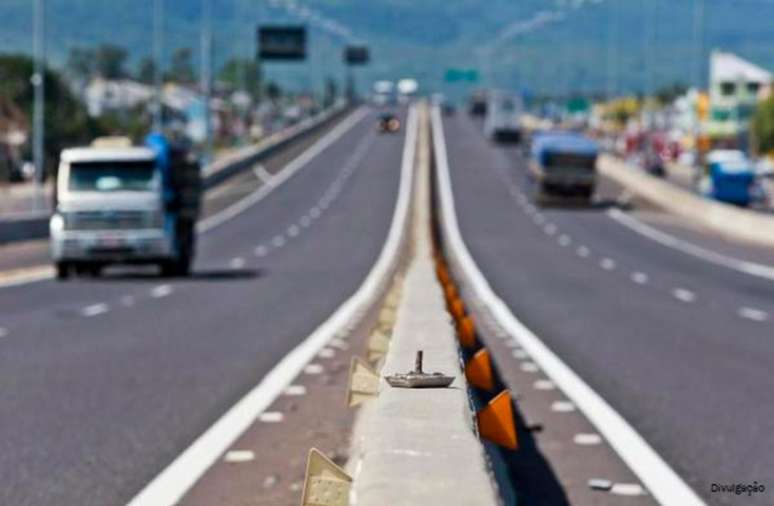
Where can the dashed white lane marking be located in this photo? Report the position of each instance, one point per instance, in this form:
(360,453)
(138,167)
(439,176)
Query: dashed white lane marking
(639,277)
(305,221)
(314,212)
(327,353)
(684,295)
(607,263)
(278,241)
(262,174)
(564,240)
(3,332)
(271,417)
(757,315)
(94,310)
(295,390)
(587,439)
(261,251)
(628,489)
(550,229)
(562,406)
(544,384)
(600,484)
(313,369)
(520,354)
(293,230)
(237,263)
(582,251)
(127,301)
(161,291)
(538,219)
(529,367)
(239,456)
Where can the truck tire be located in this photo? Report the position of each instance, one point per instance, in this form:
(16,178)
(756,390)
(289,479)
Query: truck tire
(62,271)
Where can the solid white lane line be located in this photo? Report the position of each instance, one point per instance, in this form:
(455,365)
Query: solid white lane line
(684,295)
(161,291)
(666,486)
(756,315)
(751,268)
(286,173)
(94,310)
(178,477)
(639,277)
(607,263)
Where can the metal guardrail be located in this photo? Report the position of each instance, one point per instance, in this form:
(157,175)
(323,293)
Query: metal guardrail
(29,226)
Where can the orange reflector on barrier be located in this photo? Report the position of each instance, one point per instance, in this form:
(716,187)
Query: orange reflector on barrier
(450,291)
(478,371)
(496,422)
(443,273)
(457,309)
(467,332)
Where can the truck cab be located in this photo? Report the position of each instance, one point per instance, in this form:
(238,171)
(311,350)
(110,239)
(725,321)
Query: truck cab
(112,207)
(563,164)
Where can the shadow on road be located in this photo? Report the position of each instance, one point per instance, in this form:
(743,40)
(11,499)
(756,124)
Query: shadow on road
(196,275)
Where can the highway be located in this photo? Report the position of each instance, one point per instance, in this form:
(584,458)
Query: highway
(103,382)
(680,346)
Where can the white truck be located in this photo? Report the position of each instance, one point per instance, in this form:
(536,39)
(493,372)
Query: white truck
(503,116)
(121,204)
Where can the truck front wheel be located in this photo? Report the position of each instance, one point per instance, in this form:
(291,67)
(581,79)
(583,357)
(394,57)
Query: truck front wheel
(62,270)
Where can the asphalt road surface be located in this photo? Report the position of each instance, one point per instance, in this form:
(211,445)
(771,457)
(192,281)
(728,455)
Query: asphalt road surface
(682,348)
(103,382)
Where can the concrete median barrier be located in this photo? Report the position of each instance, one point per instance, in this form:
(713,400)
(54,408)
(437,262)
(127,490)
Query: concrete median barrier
(728,221)
(30,226)
(420,446)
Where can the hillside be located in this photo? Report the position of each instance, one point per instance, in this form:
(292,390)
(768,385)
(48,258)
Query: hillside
(423,38)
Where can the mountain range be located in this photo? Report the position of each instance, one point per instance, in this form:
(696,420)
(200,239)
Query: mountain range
(539,46)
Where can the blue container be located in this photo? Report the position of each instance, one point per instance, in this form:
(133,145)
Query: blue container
(732,182)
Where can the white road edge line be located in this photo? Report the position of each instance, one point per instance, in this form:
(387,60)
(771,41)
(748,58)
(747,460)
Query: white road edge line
(174,481)
(662,481)
(670,241)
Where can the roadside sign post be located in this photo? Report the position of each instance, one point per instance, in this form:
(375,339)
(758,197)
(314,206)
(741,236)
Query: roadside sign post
(354,56)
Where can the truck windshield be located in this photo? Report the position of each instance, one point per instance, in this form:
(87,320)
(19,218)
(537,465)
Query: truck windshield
(570,161)
(113,176)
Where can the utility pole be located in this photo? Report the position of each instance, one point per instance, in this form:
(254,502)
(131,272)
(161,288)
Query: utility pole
(39,87)
(698,42)
(158,56)
(206,73)
(612,50)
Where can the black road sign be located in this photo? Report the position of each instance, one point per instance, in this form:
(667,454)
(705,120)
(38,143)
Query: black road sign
(282,42)
(356,55)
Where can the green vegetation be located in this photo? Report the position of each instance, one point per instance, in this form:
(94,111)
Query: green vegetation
(763,126)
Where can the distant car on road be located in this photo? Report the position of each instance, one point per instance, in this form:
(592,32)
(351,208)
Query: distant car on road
(388,123)
(503,117)
(477,104)
(564,165)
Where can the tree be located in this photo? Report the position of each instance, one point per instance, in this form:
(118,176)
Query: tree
(238,73)
(181,68)
(146,70)
(110,61)
(81,63)
(66,120)
(763,126)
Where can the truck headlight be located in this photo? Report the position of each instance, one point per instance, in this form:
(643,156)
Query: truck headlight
(57,223)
